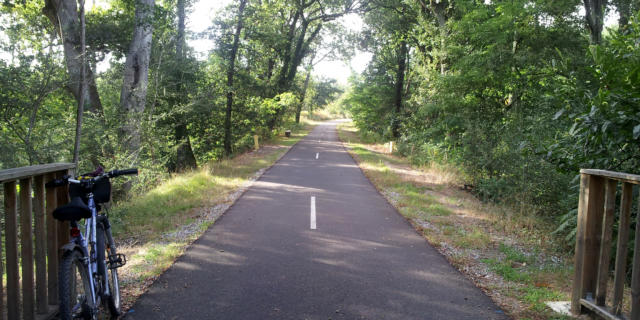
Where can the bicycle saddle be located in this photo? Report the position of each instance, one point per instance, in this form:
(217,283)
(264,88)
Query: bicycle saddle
(73,211)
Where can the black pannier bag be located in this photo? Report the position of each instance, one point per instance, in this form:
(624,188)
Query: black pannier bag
(101,191)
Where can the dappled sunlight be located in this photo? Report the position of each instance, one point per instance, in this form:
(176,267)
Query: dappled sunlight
(335,263)
(220,257)
(333,244)
(261,184)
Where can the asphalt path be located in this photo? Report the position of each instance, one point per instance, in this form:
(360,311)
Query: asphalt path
(264,260)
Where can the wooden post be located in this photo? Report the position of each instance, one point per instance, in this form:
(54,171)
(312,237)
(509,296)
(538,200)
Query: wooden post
(11,247)
(621,252)
(26,249)
(41,245)
(390,147)
(590,209)
(593,234)
(2,267)
(62,194)
(605,248)
(256,145)
(576,294)
(635,276)
(52,244)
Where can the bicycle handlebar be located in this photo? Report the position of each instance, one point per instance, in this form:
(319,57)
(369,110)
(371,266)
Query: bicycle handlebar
(115,173)
(111,174)
(58,182)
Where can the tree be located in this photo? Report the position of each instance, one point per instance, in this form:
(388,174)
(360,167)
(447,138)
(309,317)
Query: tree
(303,25)
(391,23)
(185,158)
(230,74)
(83,85)
(63,15)
(625,9)
(136,72)
(594,15)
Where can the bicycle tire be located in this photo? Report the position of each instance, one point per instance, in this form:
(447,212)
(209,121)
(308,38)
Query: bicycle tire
(106,246)
(72,304)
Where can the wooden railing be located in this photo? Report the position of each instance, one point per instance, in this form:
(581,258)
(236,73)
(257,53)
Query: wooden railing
(25,193)
(596,217)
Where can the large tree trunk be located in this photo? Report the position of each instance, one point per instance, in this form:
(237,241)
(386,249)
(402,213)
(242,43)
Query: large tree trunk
(230,74)
(63,14)
(397,100)
(184,153)
(136,76)
(594,14)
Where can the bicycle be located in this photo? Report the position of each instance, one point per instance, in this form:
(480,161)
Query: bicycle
(88,276)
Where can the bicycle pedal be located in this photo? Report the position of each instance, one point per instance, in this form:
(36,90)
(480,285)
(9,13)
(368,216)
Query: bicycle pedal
(117,260)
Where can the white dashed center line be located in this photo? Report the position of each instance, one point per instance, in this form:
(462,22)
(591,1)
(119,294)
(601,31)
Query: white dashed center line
(313,213)
(317,155)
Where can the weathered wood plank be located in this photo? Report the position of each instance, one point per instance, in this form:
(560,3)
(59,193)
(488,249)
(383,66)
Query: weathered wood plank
(26,249)
(41,244)
(1,276)
(635,275)
(52,243)
(14,174)
(605,247)
(576,293)
(11,244)
(63,227)
(593,234)
(620,176)
(621,252)
(599,310)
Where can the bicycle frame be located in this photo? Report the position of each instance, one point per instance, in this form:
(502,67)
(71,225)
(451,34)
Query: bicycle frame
(88,247)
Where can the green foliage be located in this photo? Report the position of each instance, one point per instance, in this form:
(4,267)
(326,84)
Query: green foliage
(510,92)
(186,97)
(35,111)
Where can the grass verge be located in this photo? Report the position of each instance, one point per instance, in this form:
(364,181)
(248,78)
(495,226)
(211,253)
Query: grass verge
(507,254)
(155,228)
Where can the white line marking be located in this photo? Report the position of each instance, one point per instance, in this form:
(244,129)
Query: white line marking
(313,213)
(317,155)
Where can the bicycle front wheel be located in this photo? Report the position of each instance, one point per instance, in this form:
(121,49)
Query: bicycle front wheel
(74,288)
(106,247)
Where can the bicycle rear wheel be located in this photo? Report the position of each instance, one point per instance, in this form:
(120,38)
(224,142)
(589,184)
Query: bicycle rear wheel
(106,247)
(74,289)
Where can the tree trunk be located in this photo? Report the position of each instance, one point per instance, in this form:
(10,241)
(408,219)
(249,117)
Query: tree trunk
(286,57)
(438,8)
(625,8)
(230,74)
(136,76)
(594,14)
(63,14)
(304,92)
(184,153)
(83,85)
(402,60)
